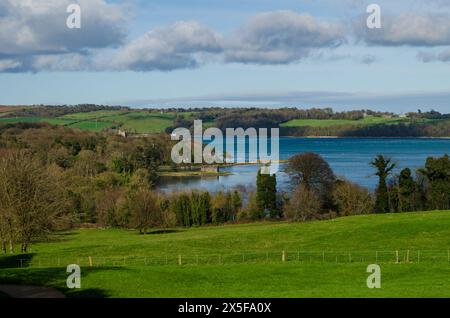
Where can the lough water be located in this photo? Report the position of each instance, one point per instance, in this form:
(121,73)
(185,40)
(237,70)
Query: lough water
(349,157)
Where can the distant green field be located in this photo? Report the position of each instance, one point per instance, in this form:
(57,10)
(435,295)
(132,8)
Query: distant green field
(369,120)
(144,122)
(323,259)
(96,114)
(91,125)
(53,121)
(135,121)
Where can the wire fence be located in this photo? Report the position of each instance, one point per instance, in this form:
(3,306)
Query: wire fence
(301,257)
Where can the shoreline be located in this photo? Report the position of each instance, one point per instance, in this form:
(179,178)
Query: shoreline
(358,137)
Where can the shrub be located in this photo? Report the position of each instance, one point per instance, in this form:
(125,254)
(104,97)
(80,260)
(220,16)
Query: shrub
(352,199)
(303,205)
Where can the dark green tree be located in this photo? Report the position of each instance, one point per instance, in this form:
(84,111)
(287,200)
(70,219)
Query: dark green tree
(407,191)
(266,193)
(437,174)
(384,168)
(205,210)
(315,174)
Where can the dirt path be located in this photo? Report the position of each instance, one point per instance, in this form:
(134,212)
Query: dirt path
(19,291)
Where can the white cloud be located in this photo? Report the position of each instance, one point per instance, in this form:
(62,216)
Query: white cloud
(9,65)
(409,29)
(31,28)
(426,57)
(173,47)
(281,37)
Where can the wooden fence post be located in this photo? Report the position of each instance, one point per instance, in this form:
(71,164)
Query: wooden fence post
(396,257)
(90,261)
(283,256)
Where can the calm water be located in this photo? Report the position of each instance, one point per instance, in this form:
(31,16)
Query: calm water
(347,157)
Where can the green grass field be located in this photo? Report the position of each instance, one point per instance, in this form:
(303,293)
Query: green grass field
(53,121)
(135,121)
(369,120)
(143,122)
(322,259)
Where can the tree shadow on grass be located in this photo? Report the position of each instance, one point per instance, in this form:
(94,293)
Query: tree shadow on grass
(16,261)
(56,278)
(155,232)
(59,237)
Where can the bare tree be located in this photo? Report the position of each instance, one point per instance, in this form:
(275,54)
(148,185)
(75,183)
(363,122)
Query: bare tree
(145,210)
(351,199)
(303,205)
(312,172)
(31,201)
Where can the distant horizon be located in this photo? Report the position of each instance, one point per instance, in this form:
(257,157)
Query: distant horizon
(193,106)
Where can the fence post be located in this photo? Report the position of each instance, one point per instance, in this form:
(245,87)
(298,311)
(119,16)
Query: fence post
(396,257)
(283,256)
(407,256)
(179,259)
(90,261)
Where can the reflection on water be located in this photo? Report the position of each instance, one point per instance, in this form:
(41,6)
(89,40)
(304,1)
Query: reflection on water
(349,158)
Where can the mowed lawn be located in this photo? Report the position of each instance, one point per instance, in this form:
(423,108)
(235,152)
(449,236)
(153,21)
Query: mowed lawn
(322,259)
(369,120)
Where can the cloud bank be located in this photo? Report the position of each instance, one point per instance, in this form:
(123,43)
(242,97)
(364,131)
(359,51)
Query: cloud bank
(34,38)
(30,30)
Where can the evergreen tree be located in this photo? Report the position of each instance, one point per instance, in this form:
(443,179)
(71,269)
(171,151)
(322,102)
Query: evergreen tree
(195,208)
(384,168)
(407,191)
(237,201)
(437,173)
(205,210)
(266,193)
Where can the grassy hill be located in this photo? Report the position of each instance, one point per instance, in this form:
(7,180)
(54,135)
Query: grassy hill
(322,259)
(136,121)
(369,120)
(145,122)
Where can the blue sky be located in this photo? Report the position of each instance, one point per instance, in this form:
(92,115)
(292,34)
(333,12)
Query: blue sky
(228,53)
